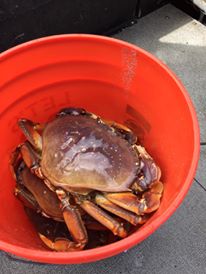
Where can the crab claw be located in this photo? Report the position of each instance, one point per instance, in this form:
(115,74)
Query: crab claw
(151,198)
(149,202)
(53,234)
(61,244)
(150,172)
(73,221)
(123,131)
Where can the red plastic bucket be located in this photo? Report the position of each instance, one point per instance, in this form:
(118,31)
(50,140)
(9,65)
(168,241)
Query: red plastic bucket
(115,80)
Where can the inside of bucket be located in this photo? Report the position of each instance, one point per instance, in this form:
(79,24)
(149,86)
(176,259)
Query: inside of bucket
(150,103)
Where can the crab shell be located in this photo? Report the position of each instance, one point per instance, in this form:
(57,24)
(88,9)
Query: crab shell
(80,151)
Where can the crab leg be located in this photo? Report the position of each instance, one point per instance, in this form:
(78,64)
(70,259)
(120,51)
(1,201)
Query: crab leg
(26,197)
(15,162)
(26,152)
(29,156)
(123,130)
(73,221)
(102,217)
(149,202)
(30,130)
(117,210)
(47,199)
(95,226)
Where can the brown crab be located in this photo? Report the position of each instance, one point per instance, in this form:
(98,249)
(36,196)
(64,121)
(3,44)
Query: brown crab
(84,165)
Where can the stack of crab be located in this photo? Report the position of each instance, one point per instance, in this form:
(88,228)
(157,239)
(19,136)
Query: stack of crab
(79,173)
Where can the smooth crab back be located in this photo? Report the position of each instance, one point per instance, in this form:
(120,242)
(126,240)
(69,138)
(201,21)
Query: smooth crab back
(82,152)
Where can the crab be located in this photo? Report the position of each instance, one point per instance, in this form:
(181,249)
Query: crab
(78,164)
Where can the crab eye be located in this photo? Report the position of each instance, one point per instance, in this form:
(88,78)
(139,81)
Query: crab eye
(71,111)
